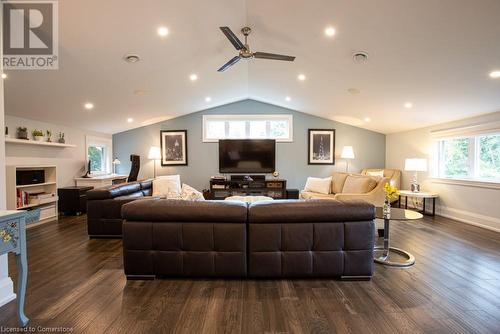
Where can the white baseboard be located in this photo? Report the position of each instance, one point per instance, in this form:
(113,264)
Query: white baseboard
(6,291)
(471,218)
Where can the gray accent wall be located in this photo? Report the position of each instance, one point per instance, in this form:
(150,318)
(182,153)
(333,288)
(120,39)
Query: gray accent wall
(291,158)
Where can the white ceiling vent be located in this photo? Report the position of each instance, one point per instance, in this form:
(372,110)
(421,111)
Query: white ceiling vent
(132,58)
(360,57)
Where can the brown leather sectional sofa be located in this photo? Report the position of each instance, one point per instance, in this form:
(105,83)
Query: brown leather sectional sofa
(104,205)
(313,238)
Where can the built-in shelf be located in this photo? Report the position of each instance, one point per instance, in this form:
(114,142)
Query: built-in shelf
(35,185)
(52,200)
(33,142)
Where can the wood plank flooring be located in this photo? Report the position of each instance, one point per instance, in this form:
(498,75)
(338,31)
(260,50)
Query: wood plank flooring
(78,283)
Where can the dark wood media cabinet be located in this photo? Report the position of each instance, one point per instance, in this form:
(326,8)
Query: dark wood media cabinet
(275,188)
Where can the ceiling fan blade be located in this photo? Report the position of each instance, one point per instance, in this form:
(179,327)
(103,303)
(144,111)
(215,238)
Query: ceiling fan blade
(232,38)
(230,63)
(265,55)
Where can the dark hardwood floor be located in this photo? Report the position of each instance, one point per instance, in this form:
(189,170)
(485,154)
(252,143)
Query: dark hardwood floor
(78,283)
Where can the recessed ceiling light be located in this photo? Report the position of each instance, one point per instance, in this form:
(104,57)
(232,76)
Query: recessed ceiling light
(140,92)
(301,77)
(288,98)
(193,77)
(408,105)
(130,120)
(163,31)
(495,74)
(360,57)
(354,91)
(132,58)
(4,76)
(330,31)
(88,106)
(208,99)
(368,119)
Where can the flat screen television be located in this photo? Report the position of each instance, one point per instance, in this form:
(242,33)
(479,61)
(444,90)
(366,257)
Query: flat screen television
(247,155)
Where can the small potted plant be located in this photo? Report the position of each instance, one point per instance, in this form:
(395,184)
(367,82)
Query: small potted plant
(22,133)
(61,139)
(49,135)
(37,135)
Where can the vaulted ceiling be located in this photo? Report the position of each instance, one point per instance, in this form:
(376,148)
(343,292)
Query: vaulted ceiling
(435,54)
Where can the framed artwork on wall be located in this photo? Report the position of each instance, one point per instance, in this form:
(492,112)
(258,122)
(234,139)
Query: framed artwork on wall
(173,147)
(321,147)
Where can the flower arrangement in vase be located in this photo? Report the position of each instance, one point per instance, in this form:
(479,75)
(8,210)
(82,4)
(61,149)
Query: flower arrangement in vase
(391,193)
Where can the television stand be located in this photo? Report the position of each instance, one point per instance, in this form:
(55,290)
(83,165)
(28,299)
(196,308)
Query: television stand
(238,185)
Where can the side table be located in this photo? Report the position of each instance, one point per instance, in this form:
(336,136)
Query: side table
(422,195)
(13,239)
(395,214)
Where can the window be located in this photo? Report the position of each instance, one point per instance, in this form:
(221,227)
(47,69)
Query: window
(475,157)
(279,127)
(99,153)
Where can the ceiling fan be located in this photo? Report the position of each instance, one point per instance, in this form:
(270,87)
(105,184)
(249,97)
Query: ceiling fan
(244,49)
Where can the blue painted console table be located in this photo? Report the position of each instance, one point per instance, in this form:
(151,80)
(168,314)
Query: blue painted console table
(13,239)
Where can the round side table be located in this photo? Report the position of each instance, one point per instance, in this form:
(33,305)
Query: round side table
(384,258)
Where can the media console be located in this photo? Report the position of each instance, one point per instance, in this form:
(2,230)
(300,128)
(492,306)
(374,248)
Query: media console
(239,185)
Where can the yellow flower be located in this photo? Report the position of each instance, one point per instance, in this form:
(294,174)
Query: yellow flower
(7,238)
(391,192)
(2,233)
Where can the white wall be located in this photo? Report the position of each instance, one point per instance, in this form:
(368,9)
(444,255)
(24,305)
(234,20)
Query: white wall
(70,162)
(470,204)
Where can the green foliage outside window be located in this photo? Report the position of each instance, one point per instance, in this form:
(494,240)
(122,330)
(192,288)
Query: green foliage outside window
(456,156)
(489,157)
(96,157)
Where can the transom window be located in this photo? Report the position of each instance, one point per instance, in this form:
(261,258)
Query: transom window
(279,127)
(470,157)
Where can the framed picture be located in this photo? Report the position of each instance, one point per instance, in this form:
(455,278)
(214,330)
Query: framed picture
(173,147)
(321,147)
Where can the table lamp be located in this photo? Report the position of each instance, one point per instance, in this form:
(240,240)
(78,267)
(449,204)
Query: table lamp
(348,154)
(115,162)
(154,154)
(415,165)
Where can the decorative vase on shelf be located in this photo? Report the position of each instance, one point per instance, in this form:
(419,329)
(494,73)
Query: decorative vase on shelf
(38,138)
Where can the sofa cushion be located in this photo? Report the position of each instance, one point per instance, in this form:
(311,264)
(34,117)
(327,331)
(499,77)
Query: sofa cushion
(168,186)
(338,180)
(358,184)
(317,185)
(188,193)
(312,195)
(378,173)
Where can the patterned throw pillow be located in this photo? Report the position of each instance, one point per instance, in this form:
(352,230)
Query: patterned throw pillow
(188,193)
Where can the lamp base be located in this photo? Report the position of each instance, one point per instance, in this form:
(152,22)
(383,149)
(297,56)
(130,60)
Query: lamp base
(415,187)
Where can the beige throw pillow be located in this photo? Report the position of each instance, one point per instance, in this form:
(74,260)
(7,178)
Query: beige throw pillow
(188,193)
(355,184)
(338,180)
(167,186)
(317,185)
(379,173)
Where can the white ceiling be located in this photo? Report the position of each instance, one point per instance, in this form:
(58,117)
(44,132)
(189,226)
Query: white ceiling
(436,54)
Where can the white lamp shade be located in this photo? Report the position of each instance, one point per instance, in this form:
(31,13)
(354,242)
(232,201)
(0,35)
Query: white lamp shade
(347,152)
(154,153)
(116,161)
(416,165)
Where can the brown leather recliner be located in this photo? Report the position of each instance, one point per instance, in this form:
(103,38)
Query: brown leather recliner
(104,205)
(312,238)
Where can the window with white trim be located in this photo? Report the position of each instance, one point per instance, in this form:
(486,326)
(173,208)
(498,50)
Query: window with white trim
(99,153)
(279,127)
(472,157)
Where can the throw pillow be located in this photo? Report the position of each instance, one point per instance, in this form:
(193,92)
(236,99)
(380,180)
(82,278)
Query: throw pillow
(188,193)
(167,186)
(338,180)
(357,184)
(378,173)
(317,185)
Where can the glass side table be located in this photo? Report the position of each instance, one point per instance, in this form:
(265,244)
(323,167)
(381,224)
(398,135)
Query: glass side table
(386,249)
